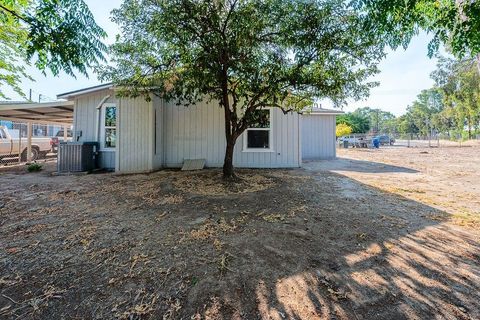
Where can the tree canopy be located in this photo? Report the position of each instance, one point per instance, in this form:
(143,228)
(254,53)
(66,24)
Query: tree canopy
(419,117)
(378,119)
(458,82)
(456,23)
(246,54)
(359,123)
(450,108)
(56,35)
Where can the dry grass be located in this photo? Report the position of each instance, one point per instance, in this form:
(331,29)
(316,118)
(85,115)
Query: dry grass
(213,184)
(280,244)
(212,229)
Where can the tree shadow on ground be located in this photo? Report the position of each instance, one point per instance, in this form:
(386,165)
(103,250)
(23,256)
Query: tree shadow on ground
(308,244)
(374,256)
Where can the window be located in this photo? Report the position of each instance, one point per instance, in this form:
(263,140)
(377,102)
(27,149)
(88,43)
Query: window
(259,136)
(109,126)
(60,133)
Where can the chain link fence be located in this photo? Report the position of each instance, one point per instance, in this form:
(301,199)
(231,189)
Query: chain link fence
(410,140)
(14,142)
(413,140)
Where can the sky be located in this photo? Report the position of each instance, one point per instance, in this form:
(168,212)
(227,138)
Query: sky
(404,73)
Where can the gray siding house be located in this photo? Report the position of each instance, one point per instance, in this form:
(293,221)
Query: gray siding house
(140,136)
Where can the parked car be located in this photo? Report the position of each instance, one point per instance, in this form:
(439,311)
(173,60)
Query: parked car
(54,141)
(386,140)
(14,147)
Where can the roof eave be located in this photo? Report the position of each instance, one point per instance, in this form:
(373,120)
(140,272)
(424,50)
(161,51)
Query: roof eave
(29,105)
(326,112)
(73,94)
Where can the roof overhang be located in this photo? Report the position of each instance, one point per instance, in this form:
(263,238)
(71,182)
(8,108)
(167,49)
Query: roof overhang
(73,94)
(322,112)
(59,112)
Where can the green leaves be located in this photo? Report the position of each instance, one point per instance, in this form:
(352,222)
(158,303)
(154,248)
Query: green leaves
(459,82)
(452,105)
(12,36)
(57,35)
(265,52)
(358,122)
(63,35)
(246,54)
(455,23)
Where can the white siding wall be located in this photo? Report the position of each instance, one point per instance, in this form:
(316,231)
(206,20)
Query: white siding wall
(157,134)
(198,132)
(318,137)
(85,119)
(135,136)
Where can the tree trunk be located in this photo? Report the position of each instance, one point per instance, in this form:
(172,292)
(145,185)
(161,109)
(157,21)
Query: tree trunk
(469,123)
(228,172)
(230,136)
(478,63)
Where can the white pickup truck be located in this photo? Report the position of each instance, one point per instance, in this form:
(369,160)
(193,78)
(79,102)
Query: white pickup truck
(356,140)
(14,147)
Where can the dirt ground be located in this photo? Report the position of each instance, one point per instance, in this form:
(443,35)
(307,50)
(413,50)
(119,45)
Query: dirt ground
(446,178)
(378,234)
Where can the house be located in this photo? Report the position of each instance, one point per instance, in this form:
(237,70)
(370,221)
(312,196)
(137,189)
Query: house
(136,135)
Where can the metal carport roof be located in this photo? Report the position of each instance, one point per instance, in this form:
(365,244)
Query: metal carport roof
(58,112)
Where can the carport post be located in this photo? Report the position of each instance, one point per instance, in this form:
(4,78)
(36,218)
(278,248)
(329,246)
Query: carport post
(65,131)
(29,141)
(20,146)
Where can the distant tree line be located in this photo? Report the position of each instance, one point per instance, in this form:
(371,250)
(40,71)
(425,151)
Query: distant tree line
(367,119)
(450,108)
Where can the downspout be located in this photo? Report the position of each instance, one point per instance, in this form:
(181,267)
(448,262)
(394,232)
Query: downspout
(97,125)
(299,142)
(164,139)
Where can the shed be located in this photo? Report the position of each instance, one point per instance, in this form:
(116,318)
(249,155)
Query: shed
(318,134)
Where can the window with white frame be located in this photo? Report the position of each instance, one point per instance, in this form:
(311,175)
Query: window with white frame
(109,129)
(258,137)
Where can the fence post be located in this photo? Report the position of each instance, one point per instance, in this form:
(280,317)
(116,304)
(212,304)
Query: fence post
(29,141)
(19,145)
(65,133)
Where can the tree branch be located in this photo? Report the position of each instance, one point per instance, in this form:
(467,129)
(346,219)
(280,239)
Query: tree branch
(15,14)
(232,6)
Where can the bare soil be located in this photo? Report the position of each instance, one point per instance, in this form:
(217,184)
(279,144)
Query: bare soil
(446,178)
(362,237)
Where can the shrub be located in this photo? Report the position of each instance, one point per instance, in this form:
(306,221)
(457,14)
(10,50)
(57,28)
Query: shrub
(34,167)
(343,130)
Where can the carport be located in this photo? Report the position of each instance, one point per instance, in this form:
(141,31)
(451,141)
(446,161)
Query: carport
(50,113)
